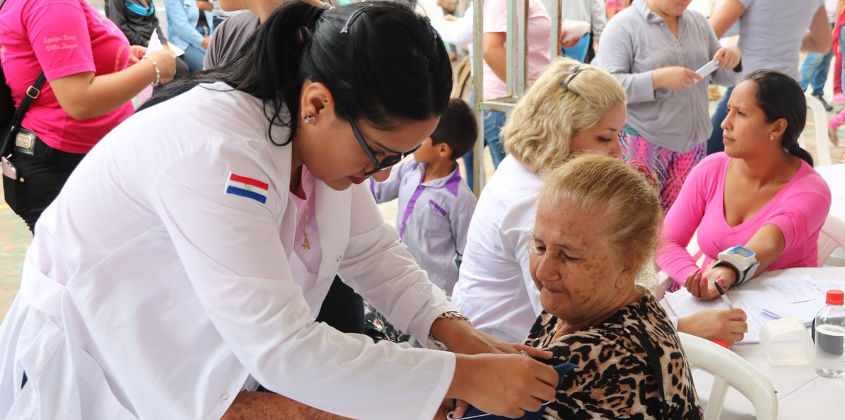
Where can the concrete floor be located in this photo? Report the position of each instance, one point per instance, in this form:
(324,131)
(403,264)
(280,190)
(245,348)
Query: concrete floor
(14,236)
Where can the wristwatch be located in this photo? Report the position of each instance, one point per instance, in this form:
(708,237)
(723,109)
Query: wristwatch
(742,260)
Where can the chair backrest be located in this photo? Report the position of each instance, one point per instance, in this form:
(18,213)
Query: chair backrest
(728,369)
(664,282)
(822,155)
(831,237)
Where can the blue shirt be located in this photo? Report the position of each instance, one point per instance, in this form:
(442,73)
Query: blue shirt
(432,218)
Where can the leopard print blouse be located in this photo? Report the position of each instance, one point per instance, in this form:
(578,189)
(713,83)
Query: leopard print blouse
(614,376)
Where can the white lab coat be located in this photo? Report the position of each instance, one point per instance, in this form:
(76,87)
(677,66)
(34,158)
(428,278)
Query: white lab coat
(148,292)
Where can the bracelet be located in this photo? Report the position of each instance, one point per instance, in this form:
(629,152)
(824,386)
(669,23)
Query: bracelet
(158,72)
(452,315)
(446,315)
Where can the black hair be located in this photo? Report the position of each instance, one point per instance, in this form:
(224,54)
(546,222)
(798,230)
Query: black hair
(457,128)
(780,96)
(382,62)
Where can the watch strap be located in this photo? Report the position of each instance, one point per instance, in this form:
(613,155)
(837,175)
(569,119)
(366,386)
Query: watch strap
(742,276)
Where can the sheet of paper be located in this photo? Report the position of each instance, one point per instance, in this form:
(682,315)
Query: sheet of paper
(155,45)
(797,288)
(758,302)
(708,68)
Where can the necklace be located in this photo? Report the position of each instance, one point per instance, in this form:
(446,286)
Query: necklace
(306,238)
(557,331)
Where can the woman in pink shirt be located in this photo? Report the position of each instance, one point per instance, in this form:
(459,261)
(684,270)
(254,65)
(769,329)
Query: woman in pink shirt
(91,76)
(762,192)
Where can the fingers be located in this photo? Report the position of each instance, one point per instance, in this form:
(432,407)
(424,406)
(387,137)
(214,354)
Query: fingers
(461,408)
(736,314)
(693,283)
(695,76)
(736,330)
(547,375)
(533,351)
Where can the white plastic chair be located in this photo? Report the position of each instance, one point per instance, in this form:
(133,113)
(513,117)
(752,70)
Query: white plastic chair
(663,279)
(731,370)
(822,139)
(831,237)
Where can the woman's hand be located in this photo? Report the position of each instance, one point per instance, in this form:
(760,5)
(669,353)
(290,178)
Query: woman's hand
(166,61)
(563,43)
(136,53)
(205,5)
(716,324)
(729,57)
(674,78)
(701,285)
(460,336)
(502,384)
(205,41)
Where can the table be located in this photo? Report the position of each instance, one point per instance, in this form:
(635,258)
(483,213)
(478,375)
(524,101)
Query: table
(802,394)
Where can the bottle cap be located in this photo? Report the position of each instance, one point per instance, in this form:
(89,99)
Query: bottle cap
(834,297)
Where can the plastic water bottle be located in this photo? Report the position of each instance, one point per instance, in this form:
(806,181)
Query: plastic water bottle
(829,327)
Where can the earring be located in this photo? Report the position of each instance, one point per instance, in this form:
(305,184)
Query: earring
(771,137)
(308,119)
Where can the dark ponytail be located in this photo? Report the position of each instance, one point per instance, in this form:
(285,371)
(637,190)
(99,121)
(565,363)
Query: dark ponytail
(780,96)
(381,61)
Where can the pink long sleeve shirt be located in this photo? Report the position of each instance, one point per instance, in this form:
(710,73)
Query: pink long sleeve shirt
(798,210)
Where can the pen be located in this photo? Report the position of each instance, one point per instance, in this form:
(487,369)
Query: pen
(723,295)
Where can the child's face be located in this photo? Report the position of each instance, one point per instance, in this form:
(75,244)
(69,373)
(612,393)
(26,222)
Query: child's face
(427,153)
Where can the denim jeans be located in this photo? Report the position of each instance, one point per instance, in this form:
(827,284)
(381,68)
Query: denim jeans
(716,142)
(814,70)
(493,122)
(193,58)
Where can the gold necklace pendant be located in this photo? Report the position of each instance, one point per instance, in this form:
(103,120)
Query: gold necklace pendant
(306,241)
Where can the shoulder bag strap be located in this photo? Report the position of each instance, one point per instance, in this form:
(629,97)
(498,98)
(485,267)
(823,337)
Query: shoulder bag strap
(32,94)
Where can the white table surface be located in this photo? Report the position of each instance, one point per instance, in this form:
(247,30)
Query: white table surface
(802,394)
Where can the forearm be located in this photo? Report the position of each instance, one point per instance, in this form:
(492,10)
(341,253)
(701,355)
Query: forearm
(270,406)
(820,45)
(88,96)
(496,57)
(675,261)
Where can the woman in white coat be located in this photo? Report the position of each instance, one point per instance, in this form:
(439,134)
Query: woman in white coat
(187,256)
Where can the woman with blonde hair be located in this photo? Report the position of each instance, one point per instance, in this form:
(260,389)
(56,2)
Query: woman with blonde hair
(572,108)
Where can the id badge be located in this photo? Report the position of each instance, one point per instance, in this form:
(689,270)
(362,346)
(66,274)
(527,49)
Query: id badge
(9,170)
(25,142)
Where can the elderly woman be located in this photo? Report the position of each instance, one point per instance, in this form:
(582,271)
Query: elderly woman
(572,108)
(761,193)
(596,227)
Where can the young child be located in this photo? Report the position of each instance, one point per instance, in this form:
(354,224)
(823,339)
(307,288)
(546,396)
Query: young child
(435,204)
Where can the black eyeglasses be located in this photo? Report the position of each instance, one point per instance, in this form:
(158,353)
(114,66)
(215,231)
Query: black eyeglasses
(387,161)
(573,71)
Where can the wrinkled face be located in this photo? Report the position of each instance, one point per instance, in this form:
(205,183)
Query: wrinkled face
(746,130)
(672,8)
(330,150)
(572,262)
(604,136)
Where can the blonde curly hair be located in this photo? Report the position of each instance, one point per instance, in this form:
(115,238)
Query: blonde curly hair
(539,129)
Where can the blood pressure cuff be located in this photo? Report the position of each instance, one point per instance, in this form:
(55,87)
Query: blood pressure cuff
(562,370)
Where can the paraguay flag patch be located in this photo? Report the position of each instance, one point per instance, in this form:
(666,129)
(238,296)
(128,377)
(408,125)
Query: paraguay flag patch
(247,187)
